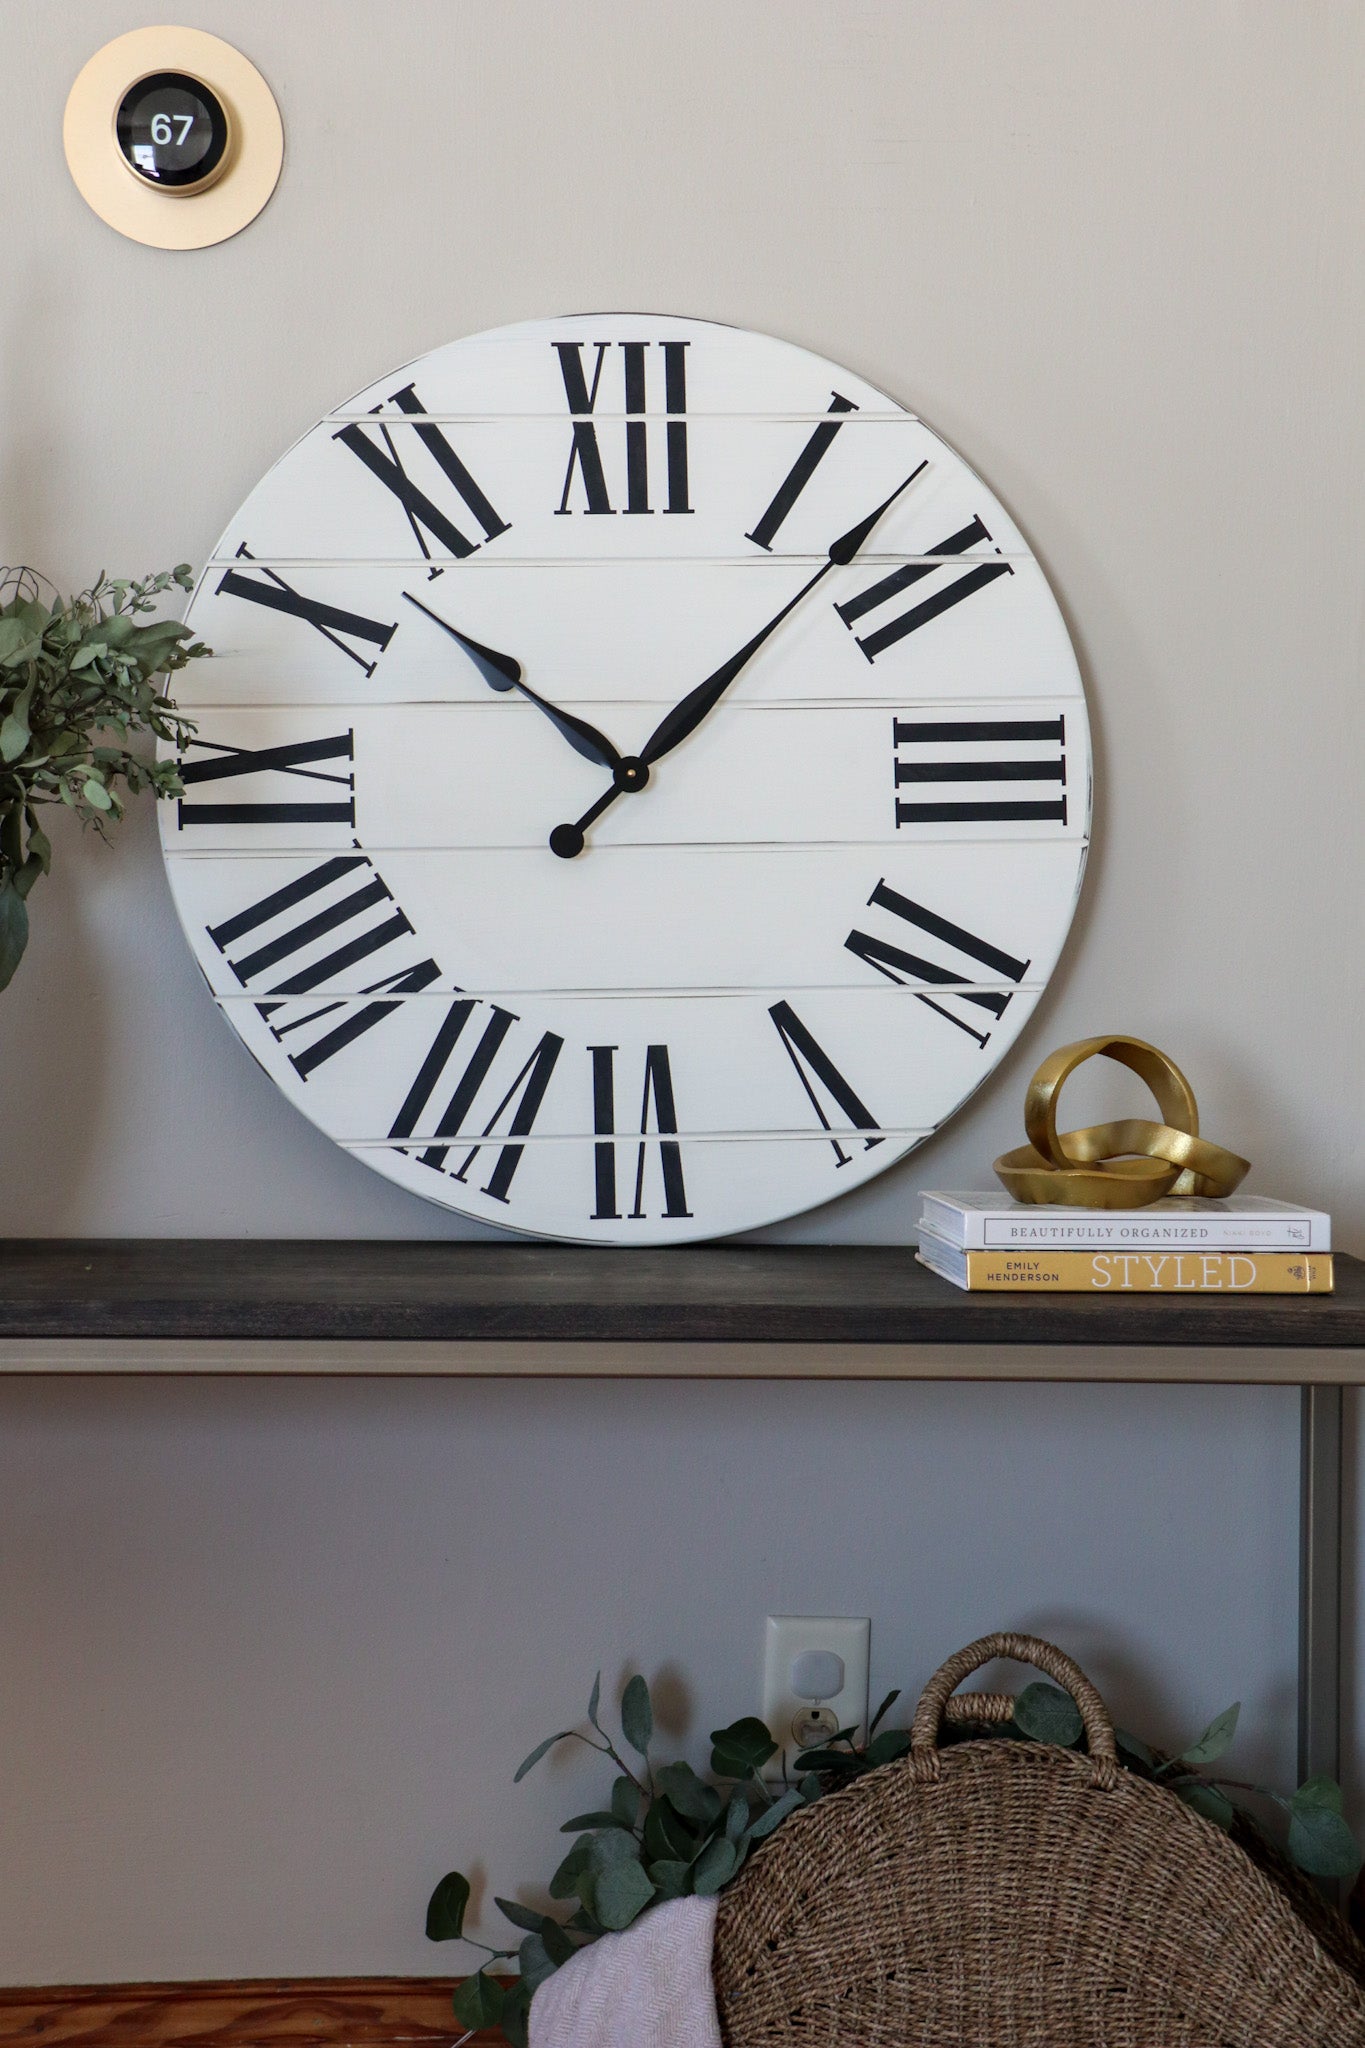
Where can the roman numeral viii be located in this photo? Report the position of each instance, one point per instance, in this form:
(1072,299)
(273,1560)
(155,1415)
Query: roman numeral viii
(585,451)
(657,1097)
(933,606)
(1001,761)
(522,1097)
(899,964)
(313,932)
(295,762)
(423,515)
(335,624)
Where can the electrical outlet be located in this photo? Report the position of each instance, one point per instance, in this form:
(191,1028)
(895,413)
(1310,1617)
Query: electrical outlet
(803,1654)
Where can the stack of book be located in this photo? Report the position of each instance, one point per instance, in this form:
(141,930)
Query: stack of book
(1247,1244)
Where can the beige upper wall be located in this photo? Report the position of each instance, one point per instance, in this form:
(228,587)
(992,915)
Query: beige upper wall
(1112,253)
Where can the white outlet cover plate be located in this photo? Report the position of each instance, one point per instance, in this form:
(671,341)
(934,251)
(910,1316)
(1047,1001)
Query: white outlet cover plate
(786,1636)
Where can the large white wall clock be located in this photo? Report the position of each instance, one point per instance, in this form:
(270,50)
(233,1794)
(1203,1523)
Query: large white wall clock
(644,783)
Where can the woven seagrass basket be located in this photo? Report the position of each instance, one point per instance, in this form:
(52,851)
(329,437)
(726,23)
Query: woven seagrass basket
(1009,1894)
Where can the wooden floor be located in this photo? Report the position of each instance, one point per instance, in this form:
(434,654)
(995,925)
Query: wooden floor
(277,2012)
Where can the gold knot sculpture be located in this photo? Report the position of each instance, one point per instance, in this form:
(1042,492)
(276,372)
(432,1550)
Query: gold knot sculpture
(1120,1165)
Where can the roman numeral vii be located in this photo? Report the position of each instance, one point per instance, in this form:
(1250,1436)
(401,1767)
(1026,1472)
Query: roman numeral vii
(523,1096)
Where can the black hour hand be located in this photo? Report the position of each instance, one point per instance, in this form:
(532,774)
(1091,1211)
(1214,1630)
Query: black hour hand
(503,672)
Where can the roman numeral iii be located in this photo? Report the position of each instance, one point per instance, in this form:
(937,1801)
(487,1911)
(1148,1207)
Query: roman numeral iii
(342,899)
(638,371)
(296,762)
(893,958)
(656,1098)
(940,600)
(333,622)
(523,1096)
(1000,761)
(423,515)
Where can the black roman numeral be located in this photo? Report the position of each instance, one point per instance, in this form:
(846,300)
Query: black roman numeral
(422,515)
(816,1071)
(294,759)
(932,607)
(658,1092)
(527,1091)
(332,621)
(585,453)
(996,733)
(903,967)
(800,473)
(317,905)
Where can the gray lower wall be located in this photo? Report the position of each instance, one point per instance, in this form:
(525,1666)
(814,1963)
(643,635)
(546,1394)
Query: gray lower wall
(269,1652)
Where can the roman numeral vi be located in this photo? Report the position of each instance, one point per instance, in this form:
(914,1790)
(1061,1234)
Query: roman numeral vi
(658,1096)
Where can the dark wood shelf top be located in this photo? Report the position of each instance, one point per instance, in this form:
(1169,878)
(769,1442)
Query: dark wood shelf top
(393,1292)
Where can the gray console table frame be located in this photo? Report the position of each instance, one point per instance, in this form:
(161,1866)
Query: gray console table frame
(730,1311)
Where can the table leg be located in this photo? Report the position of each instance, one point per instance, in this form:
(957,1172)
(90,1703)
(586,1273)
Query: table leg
(1320,1475)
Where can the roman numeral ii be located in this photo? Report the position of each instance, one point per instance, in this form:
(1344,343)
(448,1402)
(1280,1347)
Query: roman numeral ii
(939,601)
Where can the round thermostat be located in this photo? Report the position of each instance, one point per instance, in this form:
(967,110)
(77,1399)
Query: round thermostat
(173,137)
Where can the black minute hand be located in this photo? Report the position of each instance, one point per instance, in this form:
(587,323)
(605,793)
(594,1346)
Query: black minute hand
(502,672)
(685,717)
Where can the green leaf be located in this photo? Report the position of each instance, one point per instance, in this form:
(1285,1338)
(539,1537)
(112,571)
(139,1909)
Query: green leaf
(625,1802)
(446,1908)
(558,1946)
(1046,1714)
(744,1746)
(478,2002)
(1207,1801)
(813,1760)
(884,1708)
(1321,1843)
(39,844)
(715,1866)
(513,2019)
(885,1748)
(1133,1746)
(93,650)
(736,1817)
(683,1789)
(667,1835)
(582,1822)
(95,793)
(1319,1791)
(18,641)
(564,1883)
(614,1845)
(776,1814)
(15,733)
(13,931)
(520,1916)
(535,1961)
(637,1715)
(622,1892)
(595,1701)
(671,1880)
(541,1749)
(1215,1738)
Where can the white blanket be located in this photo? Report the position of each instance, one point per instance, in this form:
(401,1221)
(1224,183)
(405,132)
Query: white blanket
(647,1988)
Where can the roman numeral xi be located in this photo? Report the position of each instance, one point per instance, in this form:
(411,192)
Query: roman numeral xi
(424,515)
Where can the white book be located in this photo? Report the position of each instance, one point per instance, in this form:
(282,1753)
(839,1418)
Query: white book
(987,1222)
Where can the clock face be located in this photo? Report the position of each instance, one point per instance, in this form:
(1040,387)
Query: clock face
(643,785)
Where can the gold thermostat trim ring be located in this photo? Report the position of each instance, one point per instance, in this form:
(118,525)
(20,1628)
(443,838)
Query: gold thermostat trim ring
(238,187)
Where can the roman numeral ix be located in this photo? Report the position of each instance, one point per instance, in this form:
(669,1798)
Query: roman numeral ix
(585,452)
(526,1091)
(423,515)
(822,1081)
(915,772)
(296,761)
(800,473)
(658,1095)
(319,907)
(332,621)
(902,966)
(932,607)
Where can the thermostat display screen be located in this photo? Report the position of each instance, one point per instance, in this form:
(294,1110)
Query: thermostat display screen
(172,130)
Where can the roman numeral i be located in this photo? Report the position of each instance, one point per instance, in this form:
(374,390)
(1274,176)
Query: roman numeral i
(996,765)
(585,451)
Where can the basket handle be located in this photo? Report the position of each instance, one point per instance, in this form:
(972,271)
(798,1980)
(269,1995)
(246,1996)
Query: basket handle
(1099,1729)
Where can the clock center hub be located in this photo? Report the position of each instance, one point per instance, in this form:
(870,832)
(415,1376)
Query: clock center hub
(631,773)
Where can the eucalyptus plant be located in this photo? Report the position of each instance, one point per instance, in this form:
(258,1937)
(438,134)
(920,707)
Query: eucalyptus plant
(78,685)
(665,1832)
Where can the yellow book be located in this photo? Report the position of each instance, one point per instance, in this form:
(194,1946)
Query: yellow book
(1154,1272)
